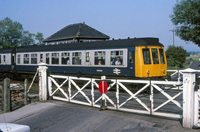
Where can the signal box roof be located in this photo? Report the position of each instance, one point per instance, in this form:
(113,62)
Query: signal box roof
(76,32)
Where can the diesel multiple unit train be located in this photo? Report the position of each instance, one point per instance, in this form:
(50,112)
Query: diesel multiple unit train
(137,57)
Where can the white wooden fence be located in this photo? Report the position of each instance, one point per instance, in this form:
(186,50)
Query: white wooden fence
(160,98)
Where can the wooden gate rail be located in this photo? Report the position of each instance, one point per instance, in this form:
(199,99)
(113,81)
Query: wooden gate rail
(92,83)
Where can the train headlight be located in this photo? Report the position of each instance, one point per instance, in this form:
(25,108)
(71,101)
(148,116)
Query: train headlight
(164,71)
(148,72)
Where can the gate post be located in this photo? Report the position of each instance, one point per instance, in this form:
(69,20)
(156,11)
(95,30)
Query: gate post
(42,81)
(6,95)
(188,97)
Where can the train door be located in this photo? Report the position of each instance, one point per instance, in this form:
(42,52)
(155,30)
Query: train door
(87,58)
(131,62)
(13,59)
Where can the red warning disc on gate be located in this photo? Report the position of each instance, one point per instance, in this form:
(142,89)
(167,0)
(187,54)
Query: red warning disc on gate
(103,87)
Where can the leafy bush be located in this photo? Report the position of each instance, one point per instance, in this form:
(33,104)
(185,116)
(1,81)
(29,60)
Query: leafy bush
(176,56)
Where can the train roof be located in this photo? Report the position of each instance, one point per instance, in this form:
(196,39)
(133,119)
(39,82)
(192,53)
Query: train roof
(6,50)
(121,43)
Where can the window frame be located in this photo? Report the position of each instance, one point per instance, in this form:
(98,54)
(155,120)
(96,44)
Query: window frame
(78,55)
(114,55)
(145,56)
(103,61)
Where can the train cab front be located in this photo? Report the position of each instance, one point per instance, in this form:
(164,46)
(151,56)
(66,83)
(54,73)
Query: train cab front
(150,61)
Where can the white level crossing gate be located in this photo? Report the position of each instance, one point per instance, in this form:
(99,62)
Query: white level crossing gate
(159,98)
(173,99)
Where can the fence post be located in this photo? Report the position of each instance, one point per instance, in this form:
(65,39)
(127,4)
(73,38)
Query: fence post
(25,91)
(42,81)
(188,97)
(6,95)
(104,104)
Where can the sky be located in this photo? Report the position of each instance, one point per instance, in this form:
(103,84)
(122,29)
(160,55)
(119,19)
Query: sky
(115,18)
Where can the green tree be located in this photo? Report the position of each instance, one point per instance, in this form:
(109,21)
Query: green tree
(27,38)
(176,56)
(10,33)
(39,37)
(186,18)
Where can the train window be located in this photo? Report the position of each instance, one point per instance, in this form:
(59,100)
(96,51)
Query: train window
(99,57)
(76,58)
(65,58)
(55,58)
(146,56)
(47,58)
(41,57)
(87,57)
(155,56)
(131,56)
(0,59)
(162,59)
(26,58)
(116,57)
(33,58)
(4,58)
(18,59)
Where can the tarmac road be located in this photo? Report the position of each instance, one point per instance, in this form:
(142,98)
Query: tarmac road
(57,116)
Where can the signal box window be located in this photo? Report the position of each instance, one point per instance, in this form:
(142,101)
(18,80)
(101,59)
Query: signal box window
(155,56)
(55,58)
(99,57)
(146,56)
(76,58)
(116,57)
(33,58)
(65,58)
(26,58)
(162,59)
(18,58)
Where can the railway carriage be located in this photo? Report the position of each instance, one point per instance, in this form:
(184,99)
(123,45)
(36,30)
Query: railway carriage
(7,60)
(138,57)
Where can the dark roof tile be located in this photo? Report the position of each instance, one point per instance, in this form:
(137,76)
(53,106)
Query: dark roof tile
(76,31)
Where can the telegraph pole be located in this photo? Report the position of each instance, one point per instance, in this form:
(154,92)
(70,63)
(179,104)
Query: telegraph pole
(173,36)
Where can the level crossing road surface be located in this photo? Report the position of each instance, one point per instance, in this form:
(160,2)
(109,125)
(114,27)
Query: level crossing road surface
(57,116)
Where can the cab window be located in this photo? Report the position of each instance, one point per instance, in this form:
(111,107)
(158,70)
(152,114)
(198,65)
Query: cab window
(146,56)
(155,56)
(162,59)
